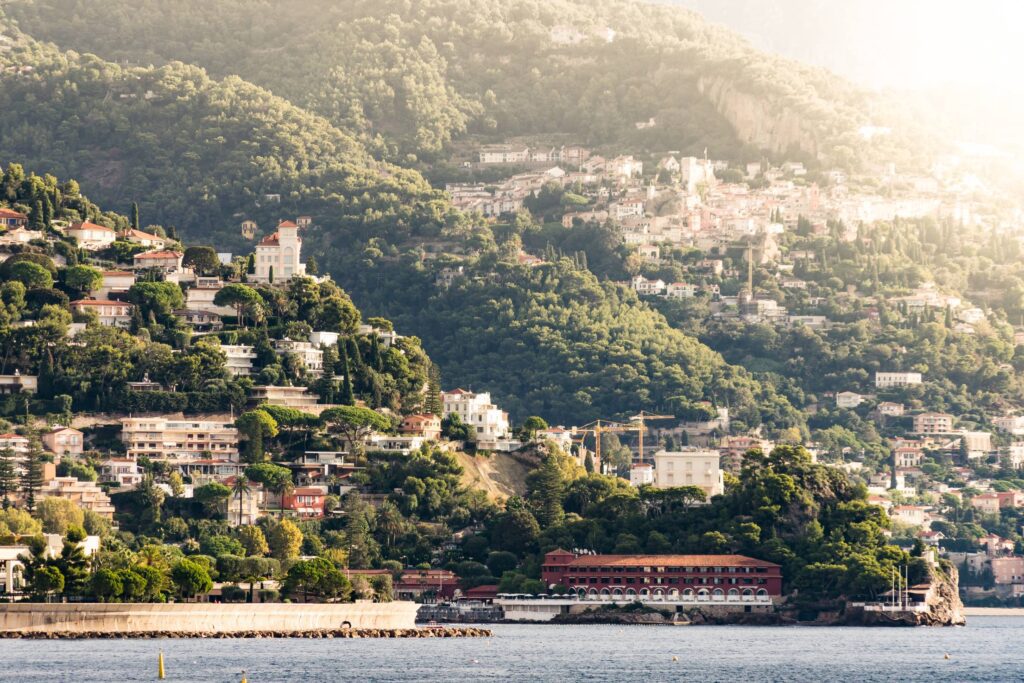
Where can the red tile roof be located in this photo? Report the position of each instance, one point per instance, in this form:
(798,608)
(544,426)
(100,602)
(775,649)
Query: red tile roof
(11,213)
(669,561)
(287,224)
(138,234)
(158,254)
(269,241)
(99,302)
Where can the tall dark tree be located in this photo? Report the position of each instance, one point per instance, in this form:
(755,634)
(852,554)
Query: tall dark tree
(347,397)
(135,215)
(32,476)
(8,476)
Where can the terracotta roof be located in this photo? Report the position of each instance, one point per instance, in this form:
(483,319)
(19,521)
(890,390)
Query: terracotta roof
(287,224)
(117,273)
(12,436)
(99,302)
(669,561)
(87,225)
(308,491)
(144,235)
(158,254)
(11,213)
(269,241)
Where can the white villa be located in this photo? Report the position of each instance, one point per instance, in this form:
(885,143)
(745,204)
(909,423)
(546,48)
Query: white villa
(280,253)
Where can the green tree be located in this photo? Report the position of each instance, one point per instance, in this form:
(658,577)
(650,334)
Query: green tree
(246,301)
(255,426)
(32,275)
(190,578)
(284,539)
(274,477)
(253,540)
(241,488)
(203,260)
(32,475)
(106,585)
(354,422)
(8,476)
(83,280)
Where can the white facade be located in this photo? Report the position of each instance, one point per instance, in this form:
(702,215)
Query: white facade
(239,358)
(641,474)
(312,356)
(886,380)
(477,411)
(281,252)
(691,467)
(848,399)
(91,236)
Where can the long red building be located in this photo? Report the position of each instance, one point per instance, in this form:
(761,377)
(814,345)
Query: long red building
(696,577)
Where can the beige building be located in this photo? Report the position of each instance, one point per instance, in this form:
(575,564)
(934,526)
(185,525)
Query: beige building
(690,467)
(312,356)
(86,494)
(888,380)
(163,438)
(281,253)
(110,313)
(64,441)
(299,398)
(933,423)
(91,236)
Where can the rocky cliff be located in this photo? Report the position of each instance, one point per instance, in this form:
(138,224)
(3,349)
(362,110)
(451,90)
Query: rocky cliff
(760,122)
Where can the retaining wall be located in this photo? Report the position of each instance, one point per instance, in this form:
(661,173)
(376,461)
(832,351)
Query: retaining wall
(203,617)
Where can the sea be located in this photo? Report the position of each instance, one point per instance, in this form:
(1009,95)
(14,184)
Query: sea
(987,649)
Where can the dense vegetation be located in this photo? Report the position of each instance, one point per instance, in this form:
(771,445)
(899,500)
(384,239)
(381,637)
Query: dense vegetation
(196,153)
(410,77)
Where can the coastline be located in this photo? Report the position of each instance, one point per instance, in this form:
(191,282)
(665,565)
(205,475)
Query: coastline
(453,632)
(993,611)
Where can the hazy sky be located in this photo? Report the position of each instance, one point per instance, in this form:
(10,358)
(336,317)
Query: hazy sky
(895,43)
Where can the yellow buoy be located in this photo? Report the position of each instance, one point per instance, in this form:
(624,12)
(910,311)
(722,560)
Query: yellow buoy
(675,659)
(160,666)
(947,656)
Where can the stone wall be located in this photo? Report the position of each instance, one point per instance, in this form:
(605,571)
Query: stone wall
(203,617)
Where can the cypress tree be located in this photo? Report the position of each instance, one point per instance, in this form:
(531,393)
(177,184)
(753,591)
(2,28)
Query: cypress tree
(432,403)
(347,396)
(270,275)
(135,216)
(36,220)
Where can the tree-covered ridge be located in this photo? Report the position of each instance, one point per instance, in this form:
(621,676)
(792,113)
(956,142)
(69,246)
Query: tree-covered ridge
(412,76)
(194,151)
(554,341)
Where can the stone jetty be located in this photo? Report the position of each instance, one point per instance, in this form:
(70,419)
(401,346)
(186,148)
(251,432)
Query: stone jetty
(461,632)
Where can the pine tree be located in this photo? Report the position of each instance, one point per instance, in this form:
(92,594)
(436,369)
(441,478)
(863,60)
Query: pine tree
(312,268)
(547,488)
(135,216)
(432,403)
(8,476)
(588,463)
(32,477)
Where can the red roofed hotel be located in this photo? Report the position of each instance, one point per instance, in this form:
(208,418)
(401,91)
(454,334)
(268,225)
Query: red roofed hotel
(725,578)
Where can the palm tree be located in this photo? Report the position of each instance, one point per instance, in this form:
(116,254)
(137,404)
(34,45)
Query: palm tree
(240,488)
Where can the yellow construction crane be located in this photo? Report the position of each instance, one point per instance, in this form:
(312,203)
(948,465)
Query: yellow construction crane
(640,422)
(599,427)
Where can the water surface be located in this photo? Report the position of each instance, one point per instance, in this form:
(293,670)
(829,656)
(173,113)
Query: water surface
(988,649)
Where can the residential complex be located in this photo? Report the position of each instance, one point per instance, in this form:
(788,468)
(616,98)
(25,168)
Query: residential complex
(489,422)
(163,438)
(691,467)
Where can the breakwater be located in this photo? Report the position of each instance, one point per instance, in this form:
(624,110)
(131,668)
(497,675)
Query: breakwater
(463,632)
(196,619)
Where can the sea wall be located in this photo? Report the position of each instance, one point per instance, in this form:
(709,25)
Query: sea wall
(203,618)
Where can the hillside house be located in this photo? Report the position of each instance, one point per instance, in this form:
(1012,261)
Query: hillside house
(90,236)
(145,239)
(280,254)
(63,441)
(163,260)
(11,219)
(110,313)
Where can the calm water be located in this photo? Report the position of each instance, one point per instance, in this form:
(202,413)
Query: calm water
(989,649)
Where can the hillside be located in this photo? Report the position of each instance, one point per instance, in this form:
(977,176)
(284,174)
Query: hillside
(196,153)
(411,77)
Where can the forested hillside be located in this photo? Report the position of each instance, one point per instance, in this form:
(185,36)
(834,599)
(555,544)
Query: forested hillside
(196,153)
(411,76)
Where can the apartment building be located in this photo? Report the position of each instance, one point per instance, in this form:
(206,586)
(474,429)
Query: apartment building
(889,380)
(476,410)
(933,423)
(239,358)
(312,356)
(689,467)
(163,438)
